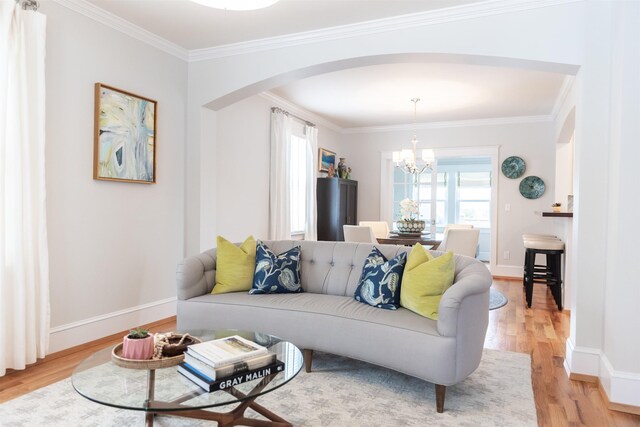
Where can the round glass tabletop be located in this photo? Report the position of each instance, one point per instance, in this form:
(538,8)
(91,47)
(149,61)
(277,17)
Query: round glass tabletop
(100,380)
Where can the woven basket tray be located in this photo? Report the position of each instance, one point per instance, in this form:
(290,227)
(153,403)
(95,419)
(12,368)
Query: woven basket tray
(163,362)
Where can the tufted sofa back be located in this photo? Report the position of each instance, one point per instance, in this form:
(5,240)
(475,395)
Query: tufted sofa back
(332,268)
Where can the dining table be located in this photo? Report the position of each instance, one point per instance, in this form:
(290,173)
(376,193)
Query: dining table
(395,238)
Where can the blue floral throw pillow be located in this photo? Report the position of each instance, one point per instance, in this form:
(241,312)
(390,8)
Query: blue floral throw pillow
(276,274)
(379,284)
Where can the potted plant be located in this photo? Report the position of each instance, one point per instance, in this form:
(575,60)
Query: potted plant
(408,224)
(138,345)
(556,206)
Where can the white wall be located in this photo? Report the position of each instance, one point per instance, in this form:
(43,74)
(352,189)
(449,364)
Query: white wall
(242,167)
(531,141)
(112,246)
(574,35)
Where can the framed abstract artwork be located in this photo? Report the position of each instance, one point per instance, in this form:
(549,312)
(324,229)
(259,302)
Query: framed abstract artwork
(325,159)
(124,142)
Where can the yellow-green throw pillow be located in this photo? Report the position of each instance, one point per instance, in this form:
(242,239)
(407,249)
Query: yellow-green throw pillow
(234,266)
(424,281)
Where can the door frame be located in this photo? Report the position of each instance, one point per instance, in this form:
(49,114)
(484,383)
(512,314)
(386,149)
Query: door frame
(492,152)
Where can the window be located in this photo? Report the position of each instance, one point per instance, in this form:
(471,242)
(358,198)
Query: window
(298,184)
(462,193)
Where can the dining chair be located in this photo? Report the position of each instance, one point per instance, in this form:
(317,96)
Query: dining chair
(461,241)
(450,226)
(358,233)
(380,228)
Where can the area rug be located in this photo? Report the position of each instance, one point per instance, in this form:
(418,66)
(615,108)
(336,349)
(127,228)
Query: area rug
(339,392)
(496,299)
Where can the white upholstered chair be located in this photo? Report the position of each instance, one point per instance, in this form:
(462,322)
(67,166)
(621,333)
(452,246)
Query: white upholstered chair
(461,241)
(450,226)
(380,228)
(357,233)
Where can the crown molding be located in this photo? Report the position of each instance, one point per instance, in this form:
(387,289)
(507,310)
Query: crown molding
(565,89)
(100,15)
(431,17)
(298,110)
(451,124)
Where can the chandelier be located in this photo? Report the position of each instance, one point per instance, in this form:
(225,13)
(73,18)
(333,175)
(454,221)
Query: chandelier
(407,159)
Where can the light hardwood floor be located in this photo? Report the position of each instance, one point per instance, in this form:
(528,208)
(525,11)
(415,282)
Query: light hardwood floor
(540,331)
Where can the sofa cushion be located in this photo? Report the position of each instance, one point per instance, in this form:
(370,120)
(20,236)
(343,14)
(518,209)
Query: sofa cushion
(425,280)
(276,274)
(379,283)
(235,265)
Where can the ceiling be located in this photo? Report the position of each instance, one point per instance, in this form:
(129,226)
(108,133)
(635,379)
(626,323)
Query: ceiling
(359,97)
(380,95)
(193,26)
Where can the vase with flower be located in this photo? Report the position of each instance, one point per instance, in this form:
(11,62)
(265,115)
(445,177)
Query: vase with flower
(408,223)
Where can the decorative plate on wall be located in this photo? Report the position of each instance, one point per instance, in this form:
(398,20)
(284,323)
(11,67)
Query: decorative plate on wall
(532,187)
(513,167)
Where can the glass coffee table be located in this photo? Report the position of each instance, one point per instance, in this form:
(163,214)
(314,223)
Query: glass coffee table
(166,392)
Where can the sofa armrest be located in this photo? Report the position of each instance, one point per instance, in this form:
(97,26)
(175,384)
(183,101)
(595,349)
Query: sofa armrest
(196,275)
(473,280)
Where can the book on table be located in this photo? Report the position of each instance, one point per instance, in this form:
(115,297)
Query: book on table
(226,350)
(218,372)
(209,385)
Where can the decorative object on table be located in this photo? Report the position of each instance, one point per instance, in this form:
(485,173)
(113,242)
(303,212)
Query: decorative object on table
(124,136)
(407,159)
(210,385)
(532,187)
(408,224)
(496,299)
(223,351)
(348,173)
(326,158)
(159,360)
(513,167)
(379,283)
(138,345)
(216,373)
(556,207)
(570,203)
(342,168)
(171,344)
(276,274)
(331,171)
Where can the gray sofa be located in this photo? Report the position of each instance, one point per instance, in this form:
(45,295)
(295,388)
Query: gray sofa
(327,318)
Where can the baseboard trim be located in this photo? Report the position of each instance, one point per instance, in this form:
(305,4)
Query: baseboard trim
(81,332)
(507,271)
(584,378)
(620,407)
(619,390)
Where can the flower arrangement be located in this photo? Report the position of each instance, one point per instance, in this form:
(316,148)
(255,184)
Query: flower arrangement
(408,209)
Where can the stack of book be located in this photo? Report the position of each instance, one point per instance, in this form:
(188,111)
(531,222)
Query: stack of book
(227,362)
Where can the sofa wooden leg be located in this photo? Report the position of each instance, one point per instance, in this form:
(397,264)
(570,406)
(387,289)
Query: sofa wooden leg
(308,357)
(440,391)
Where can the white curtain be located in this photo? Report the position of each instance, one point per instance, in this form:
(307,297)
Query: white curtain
(279,181)
(24,265)
(311,223)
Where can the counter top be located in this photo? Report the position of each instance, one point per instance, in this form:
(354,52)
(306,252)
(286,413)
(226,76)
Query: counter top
(559,214)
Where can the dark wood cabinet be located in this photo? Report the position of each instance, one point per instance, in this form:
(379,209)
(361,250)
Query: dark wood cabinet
(337,205)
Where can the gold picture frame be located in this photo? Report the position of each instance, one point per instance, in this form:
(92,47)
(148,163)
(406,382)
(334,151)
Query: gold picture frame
(124,142)
(325,159)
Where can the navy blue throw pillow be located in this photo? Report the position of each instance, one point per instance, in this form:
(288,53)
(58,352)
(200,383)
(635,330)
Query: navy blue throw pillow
(379,284)
(276,274)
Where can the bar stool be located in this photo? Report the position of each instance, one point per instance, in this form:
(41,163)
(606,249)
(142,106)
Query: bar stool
(531,236)
(551,274)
